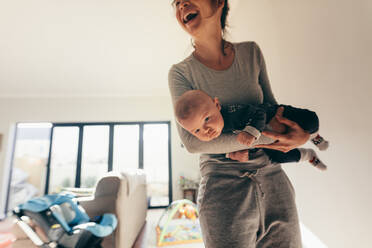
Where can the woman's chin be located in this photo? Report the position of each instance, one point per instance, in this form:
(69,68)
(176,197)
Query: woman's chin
(192,27)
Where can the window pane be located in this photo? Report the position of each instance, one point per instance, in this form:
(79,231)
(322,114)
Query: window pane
(94,162)
(126,139)
(156,163)
(63,158)
(29,164)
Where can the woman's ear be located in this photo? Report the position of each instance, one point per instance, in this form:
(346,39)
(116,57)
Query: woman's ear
(220,3)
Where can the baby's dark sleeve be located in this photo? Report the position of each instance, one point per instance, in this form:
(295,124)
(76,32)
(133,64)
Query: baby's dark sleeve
(255,120)
(259,119)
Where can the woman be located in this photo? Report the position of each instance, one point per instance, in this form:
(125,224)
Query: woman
(243,202)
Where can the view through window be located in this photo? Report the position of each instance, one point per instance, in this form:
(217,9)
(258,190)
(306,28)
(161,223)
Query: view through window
(30,159)
(155,152)
(63,158)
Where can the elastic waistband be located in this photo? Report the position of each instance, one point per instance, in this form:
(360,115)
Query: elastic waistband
(236,170)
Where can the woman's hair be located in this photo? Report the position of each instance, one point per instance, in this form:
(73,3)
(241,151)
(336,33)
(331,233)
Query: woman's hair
(225,11)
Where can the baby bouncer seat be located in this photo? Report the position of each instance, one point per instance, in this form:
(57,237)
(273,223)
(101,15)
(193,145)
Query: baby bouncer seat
(63,222)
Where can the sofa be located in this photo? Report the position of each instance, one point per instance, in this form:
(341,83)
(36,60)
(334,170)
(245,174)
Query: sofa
(125,195)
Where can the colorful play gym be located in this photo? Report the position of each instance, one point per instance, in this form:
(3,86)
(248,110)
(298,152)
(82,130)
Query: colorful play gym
(179,224)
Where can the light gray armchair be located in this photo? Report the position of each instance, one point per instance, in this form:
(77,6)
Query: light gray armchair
(125,195)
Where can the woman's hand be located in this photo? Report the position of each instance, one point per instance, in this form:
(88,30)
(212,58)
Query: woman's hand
(294,137)
(241,156)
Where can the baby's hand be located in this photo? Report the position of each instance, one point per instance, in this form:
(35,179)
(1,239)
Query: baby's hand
(245,138)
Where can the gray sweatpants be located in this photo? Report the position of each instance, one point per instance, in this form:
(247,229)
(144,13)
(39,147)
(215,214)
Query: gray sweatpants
(248,208)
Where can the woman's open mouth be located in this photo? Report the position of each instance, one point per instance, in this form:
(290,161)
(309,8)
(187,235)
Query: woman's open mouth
(189,17)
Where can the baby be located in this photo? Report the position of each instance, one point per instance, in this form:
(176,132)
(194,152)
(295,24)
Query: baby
(206,119)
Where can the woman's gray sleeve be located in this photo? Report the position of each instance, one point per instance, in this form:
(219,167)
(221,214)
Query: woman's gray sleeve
(226,143)
(263,79)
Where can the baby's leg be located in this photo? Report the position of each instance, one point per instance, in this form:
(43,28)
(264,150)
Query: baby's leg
(312,157)
(306,119)
(276,126)
(319,141)
(296,155)
(283,157)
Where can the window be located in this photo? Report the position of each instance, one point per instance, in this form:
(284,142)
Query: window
(30,156)
(155,138)
(63,158)
(77,155)
(126,147)
(94,155)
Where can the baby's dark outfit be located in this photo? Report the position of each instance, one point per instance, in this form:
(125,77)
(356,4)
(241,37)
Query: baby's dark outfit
(237,117)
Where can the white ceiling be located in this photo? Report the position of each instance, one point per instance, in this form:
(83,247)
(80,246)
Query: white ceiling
(88,48)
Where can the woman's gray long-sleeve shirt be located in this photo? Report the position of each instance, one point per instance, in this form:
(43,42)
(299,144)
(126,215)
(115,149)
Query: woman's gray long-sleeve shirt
(244,82)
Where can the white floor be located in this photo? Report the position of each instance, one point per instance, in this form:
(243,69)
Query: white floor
(153,216)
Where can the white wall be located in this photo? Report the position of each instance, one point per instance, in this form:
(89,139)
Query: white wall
(99,110)
(319,56)
(87,48)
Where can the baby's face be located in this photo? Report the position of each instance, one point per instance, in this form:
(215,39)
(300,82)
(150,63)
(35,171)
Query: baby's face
(205,123)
